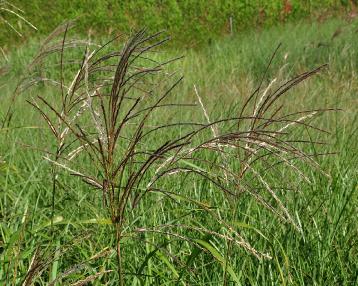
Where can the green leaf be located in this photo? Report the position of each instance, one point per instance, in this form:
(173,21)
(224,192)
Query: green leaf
(192,165)
(194,253)
(217,255)
(163,258)
(54,267)
(148,257)
(240,224)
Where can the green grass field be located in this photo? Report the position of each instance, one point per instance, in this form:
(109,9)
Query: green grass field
(80,240)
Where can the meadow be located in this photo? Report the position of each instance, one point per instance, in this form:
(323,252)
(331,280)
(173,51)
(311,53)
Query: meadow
(277,223)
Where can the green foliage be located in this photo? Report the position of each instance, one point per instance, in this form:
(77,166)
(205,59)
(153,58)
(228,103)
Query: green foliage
(190,22)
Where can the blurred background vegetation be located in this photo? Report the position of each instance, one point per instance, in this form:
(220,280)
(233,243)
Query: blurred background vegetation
(191,22)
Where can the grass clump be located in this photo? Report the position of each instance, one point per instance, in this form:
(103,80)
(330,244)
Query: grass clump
(234,176)
(104,117)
